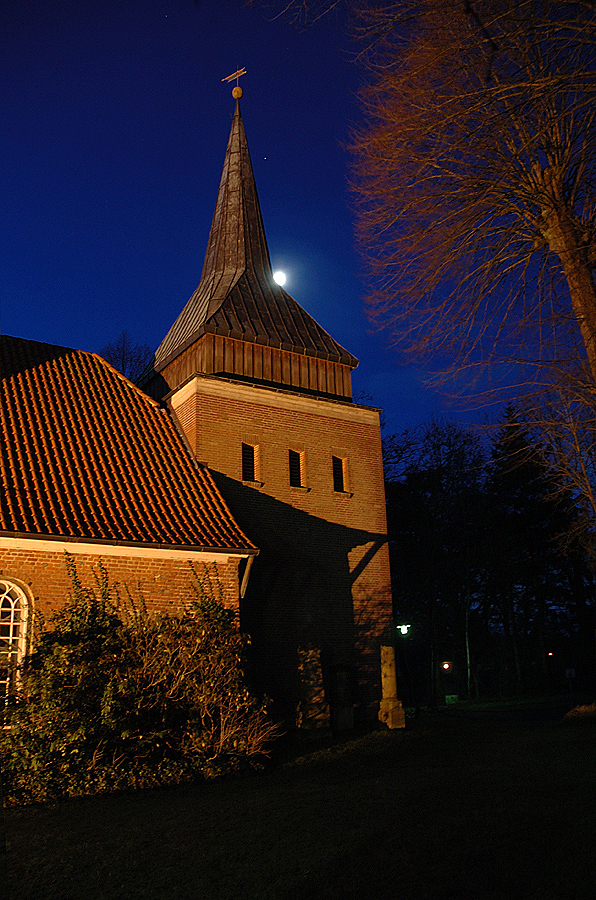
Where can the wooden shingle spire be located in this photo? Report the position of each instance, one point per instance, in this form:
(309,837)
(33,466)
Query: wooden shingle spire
(237,297)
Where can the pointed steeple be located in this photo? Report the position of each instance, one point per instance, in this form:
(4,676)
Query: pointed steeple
(237,296)
(237,238)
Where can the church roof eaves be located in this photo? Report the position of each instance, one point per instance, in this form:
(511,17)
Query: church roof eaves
(274,389)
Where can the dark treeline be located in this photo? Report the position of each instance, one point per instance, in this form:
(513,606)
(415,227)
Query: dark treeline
(490,568)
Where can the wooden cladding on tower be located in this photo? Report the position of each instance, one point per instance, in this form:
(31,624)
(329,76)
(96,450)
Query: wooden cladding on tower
(213,354)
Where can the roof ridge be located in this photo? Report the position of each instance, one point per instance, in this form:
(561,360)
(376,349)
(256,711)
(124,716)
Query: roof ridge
(122,377)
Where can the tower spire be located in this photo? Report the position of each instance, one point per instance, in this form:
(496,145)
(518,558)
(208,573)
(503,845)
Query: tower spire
(236,241)
(237,296)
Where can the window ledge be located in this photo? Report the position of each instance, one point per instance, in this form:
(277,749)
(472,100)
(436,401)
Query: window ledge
(347,494)
(255,484)
(300,487)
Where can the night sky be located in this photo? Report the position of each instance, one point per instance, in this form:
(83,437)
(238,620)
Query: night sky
(114,127)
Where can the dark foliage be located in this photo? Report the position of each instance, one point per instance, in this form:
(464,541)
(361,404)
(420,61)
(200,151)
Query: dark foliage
(484,568)
(114,697)
(126,356)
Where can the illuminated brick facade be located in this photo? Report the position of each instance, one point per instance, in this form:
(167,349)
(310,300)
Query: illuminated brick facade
(163,579)
(322,575)
(241,449)
(263,395)
(91,466)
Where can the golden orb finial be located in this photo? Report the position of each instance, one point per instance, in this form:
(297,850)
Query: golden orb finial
(236,90)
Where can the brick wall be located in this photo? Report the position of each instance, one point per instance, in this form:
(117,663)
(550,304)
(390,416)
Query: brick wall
(218,416)
(164,583)
(322,575)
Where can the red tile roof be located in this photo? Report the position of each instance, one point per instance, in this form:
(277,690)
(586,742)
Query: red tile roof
(85,454)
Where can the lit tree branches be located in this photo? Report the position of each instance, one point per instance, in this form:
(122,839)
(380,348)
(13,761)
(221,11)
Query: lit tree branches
(474,180)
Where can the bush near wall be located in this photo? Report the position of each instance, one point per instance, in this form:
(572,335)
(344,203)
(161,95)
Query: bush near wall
(114,697)
(581,715)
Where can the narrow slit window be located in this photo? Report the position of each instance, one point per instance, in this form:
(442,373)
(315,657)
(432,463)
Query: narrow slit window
(339,481)
(295,461)
(249,462)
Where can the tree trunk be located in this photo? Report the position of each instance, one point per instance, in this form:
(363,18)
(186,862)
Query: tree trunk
(566,237)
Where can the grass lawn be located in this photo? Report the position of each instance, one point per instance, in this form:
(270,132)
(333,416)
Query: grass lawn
(467,803)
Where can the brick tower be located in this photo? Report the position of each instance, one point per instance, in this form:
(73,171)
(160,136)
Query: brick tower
(263,395)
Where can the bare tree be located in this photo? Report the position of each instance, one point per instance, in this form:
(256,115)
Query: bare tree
(126,356)
(300,13)
(475,180)
(566,429)
(475,191)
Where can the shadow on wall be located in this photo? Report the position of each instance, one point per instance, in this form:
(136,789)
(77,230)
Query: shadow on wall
(300,597)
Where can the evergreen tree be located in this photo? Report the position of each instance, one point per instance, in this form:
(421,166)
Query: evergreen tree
(483,567)
(434,492)
(529,598)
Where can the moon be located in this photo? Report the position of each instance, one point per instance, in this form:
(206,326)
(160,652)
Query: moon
(280,277)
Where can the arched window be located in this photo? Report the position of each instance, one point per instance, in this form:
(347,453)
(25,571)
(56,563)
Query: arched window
(13,635)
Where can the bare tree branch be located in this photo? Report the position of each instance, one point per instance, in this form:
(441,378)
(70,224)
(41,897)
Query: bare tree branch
(300,13)
(474,181)
(126,356)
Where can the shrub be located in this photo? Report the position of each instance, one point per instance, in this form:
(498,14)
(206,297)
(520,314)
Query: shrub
(581,714)
(115,697)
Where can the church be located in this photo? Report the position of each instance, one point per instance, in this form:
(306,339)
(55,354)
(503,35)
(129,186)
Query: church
(240,451)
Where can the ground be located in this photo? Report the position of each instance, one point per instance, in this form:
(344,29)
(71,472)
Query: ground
(465,804)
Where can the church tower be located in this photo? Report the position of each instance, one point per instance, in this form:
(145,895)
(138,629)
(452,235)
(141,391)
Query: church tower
(263,395)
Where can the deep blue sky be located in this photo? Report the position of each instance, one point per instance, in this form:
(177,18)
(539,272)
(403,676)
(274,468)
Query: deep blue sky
(114,127)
